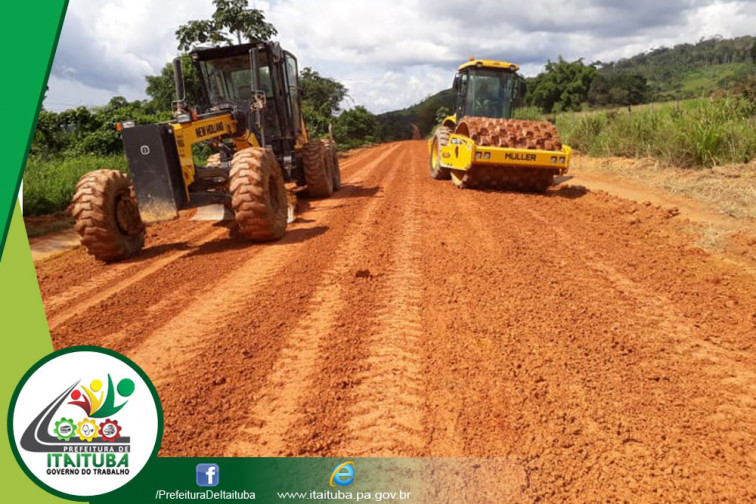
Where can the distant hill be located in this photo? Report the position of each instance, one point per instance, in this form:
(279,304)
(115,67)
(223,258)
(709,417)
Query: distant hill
(690,70)
(397,124)
(679,72)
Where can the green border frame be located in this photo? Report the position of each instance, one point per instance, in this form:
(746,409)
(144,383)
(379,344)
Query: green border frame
(44,360)
(18,11)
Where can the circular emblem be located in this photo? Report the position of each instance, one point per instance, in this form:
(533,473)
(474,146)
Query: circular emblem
(84,421)
(144,149)
(110,430)
(65,429)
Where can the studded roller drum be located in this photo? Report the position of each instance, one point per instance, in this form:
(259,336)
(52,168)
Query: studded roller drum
(508,133)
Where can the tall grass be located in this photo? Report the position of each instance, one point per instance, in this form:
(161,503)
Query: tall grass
(528,113)
(700,134)
(49,183)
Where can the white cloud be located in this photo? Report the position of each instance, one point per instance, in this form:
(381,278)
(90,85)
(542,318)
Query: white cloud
(389,55)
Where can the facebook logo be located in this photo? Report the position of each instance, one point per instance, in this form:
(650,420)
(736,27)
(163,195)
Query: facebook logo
(207,475)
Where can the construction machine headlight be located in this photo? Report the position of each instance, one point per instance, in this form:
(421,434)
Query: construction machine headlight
(184,118)
(123,125)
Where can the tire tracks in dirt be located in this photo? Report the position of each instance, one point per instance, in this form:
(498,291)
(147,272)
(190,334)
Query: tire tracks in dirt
(69,270)
(110,315)
(81,297)
(248,278)
(389,406)
(297,371)
(325,411)
(591,347)
(257,330)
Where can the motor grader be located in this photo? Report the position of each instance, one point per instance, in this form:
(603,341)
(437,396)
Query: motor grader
(250,117)
(480,146)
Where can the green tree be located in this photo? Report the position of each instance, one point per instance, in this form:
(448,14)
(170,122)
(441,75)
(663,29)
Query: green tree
(618,88)
(162,90)
(441,114)
(562,86)
(321,100)
(232,21)
(89,131)
(355,127)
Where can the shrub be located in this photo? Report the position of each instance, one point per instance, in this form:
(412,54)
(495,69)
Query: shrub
(49,183)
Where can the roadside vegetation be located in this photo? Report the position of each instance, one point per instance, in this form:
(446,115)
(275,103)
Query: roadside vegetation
(68,144)
(694,134)
(49,183)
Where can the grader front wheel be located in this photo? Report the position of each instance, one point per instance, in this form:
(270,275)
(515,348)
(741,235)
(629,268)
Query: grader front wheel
(258,194)
(107,216)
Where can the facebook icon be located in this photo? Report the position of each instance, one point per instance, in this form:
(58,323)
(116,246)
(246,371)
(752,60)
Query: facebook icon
(207,475)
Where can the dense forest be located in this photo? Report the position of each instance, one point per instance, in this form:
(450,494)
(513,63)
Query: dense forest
(687,70)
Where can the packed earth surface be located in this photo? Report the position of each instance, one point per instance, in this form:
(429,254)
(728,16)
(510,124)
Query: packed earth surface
(588,340)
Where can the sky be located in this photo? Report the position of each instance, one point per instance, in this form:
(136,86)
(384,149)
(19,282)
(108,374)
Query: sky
(390,55)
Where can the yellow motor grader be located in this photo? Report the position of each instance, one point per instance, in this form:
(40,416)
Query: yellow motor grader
(480,146)
(251,117)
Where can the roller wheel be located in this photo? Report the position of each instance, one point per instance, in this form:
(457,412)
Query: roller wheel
(316,170)
(439,140)
(107,215)
(213,160)
(332,154)
(258,195)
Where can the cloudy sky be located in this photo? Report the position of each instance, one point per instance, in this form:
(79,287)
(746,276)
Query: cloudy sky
(389,54)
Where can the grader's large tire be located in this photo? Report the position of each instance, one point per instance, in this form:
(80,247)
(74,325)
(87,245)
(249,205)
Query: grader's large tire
(316,170)
(332,155)
(440,139)
(107,215)
(258,195)
(213,161)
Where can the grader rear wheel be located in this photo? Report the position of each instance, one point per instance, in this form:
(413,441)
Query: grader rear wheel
(258,195)
(213,161)
(107,216)
(332,156)
(318,174)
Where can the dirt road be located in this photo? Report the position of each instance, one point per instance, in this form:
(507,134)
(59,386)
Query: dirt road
(584,337)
